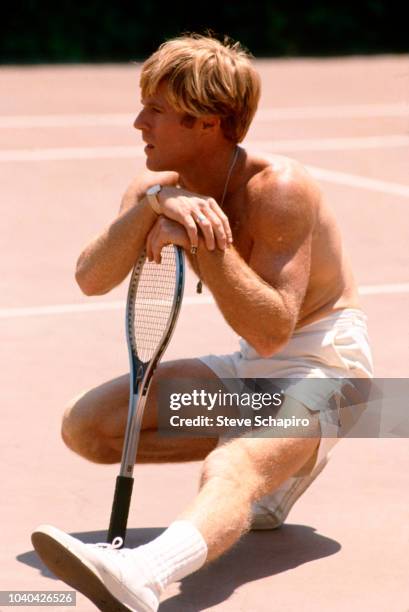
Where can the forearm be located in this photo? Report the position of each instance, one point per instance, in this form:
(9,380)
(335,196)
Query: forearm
(106,261)
(254,309)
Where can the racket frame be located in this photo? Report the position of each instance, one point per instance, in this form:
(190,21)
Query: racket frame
(140,378)
(141,373)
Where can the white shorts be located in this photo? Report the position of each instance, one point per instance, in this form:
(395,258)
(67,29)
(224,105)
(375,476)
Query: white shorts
(335,347)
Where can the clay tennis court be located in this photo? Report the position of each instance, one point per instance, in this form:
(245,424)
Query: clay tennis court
(68,151)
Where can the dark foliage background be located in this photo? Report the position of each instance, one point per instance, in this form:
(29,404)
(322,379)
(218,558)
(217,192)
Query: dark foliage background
(100,30)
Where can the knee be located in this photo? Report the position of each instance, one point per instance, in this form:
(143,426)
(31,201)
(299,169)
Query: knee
(72,425)
(229,463)
(81,434)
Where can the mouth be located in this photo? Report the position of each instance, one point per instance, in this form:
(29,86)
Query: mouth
(148,148)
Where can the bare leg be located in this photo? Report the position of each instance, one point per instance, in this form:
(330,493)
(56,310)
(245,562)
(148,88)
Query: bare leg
(240,472)
(234,474)
(94,423)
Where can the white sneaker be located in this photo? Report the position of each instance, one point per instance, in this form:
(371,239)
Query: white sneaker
(113,579)
(271,511)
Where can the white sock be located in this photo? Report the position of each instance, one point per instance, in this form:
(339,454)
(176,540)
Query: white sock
(176,553)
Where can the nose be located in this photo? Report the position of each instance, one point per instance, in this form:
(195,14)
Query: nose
(140,121)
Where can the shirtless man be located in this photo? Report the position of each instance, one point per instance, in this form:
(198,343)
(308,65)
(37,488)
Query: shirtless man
(268,248)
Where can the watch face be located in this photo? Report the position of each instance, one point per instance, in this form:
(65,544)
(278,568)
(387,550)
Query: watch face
(154,189)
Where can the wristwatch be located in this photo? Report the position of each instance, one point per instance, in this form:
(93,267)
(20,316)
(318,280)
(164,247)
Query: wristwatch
(151,195)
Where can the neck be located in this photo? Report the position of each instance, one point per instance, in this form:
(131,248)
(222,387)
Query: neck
(208,174)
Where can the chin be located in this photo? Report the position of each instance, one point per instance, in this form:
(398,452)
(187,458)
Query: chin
(151,164)
(156,165)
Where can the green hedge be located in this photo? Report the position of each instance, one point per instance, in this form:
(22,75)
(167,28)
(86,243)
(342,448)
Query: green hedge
(100,31)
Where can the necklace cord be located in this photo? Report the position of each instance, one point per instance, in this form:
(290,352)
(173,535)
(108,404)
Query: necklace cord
(199,286)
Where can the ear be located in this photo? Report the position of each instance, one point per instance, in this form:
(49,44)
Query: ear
(209,122)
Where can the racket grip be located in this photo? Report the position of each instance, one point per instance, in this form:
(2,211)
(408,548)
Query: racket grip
(120,508)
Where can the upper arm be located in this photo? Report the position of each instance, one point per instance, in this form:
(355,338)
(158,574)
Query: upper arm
(142,182)
(285,208)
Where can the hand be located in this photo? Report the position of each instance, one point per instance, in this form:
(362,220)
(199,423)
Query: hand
(193,210)
(165,232)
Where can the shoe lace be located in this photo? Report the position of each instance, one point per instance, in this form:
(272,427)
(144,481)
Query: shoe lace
(114,547)
(115,544)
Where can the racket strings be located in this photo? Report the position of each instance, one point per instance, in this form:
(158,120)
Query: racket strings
(153,304)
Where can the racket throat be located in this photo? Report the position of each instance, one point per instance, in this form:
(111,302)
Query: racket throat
(132,433)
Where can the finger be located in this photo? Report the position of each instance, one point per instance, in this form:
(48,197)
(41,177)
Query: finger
(191,229)
(223,218)
(155,236)
(157,246)
(148,246)
(182,214)
(206,228)
(218,230)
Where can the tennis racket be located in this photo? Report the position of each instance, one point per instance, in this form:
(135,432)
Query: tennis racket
(153,304)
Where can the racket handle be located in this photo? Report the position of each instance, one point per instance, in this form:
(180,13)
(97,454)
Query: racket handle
(120,508)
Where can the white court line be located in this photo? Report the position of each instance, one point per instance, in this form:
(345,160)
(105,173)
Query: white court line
(384,289)
(331,176)
(7,313)
(278,146)
(351,180)
(66,121)
(70,153)
(333,144)
(354,180)
(263,115)
(335,112)
(191,300)
(127,152)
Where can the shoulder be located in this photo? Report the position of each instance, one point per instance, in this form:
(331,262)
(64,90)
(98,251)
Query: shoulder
(284,193)
(282,181)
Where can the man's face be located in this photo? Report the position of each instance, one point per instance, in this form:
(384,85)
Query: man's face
(171,141)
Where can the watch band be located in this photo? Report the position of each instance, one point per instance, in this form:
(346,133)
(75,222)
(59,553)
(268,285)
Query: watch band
(151,195)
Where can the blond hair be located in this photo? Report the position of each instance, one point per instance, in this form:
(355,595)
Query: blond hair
(206,77)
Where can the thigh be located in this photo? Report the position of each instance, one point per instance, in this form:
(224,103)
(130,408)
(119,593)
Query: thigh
(104,409)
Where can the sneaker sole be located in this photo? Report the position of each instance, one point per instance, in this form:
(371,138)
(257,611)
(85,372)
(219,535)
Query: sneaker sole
(76,572)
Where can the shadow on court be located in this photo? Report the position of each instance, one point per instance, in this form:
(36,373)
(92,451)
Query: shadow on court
(135,537)
(257,555)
